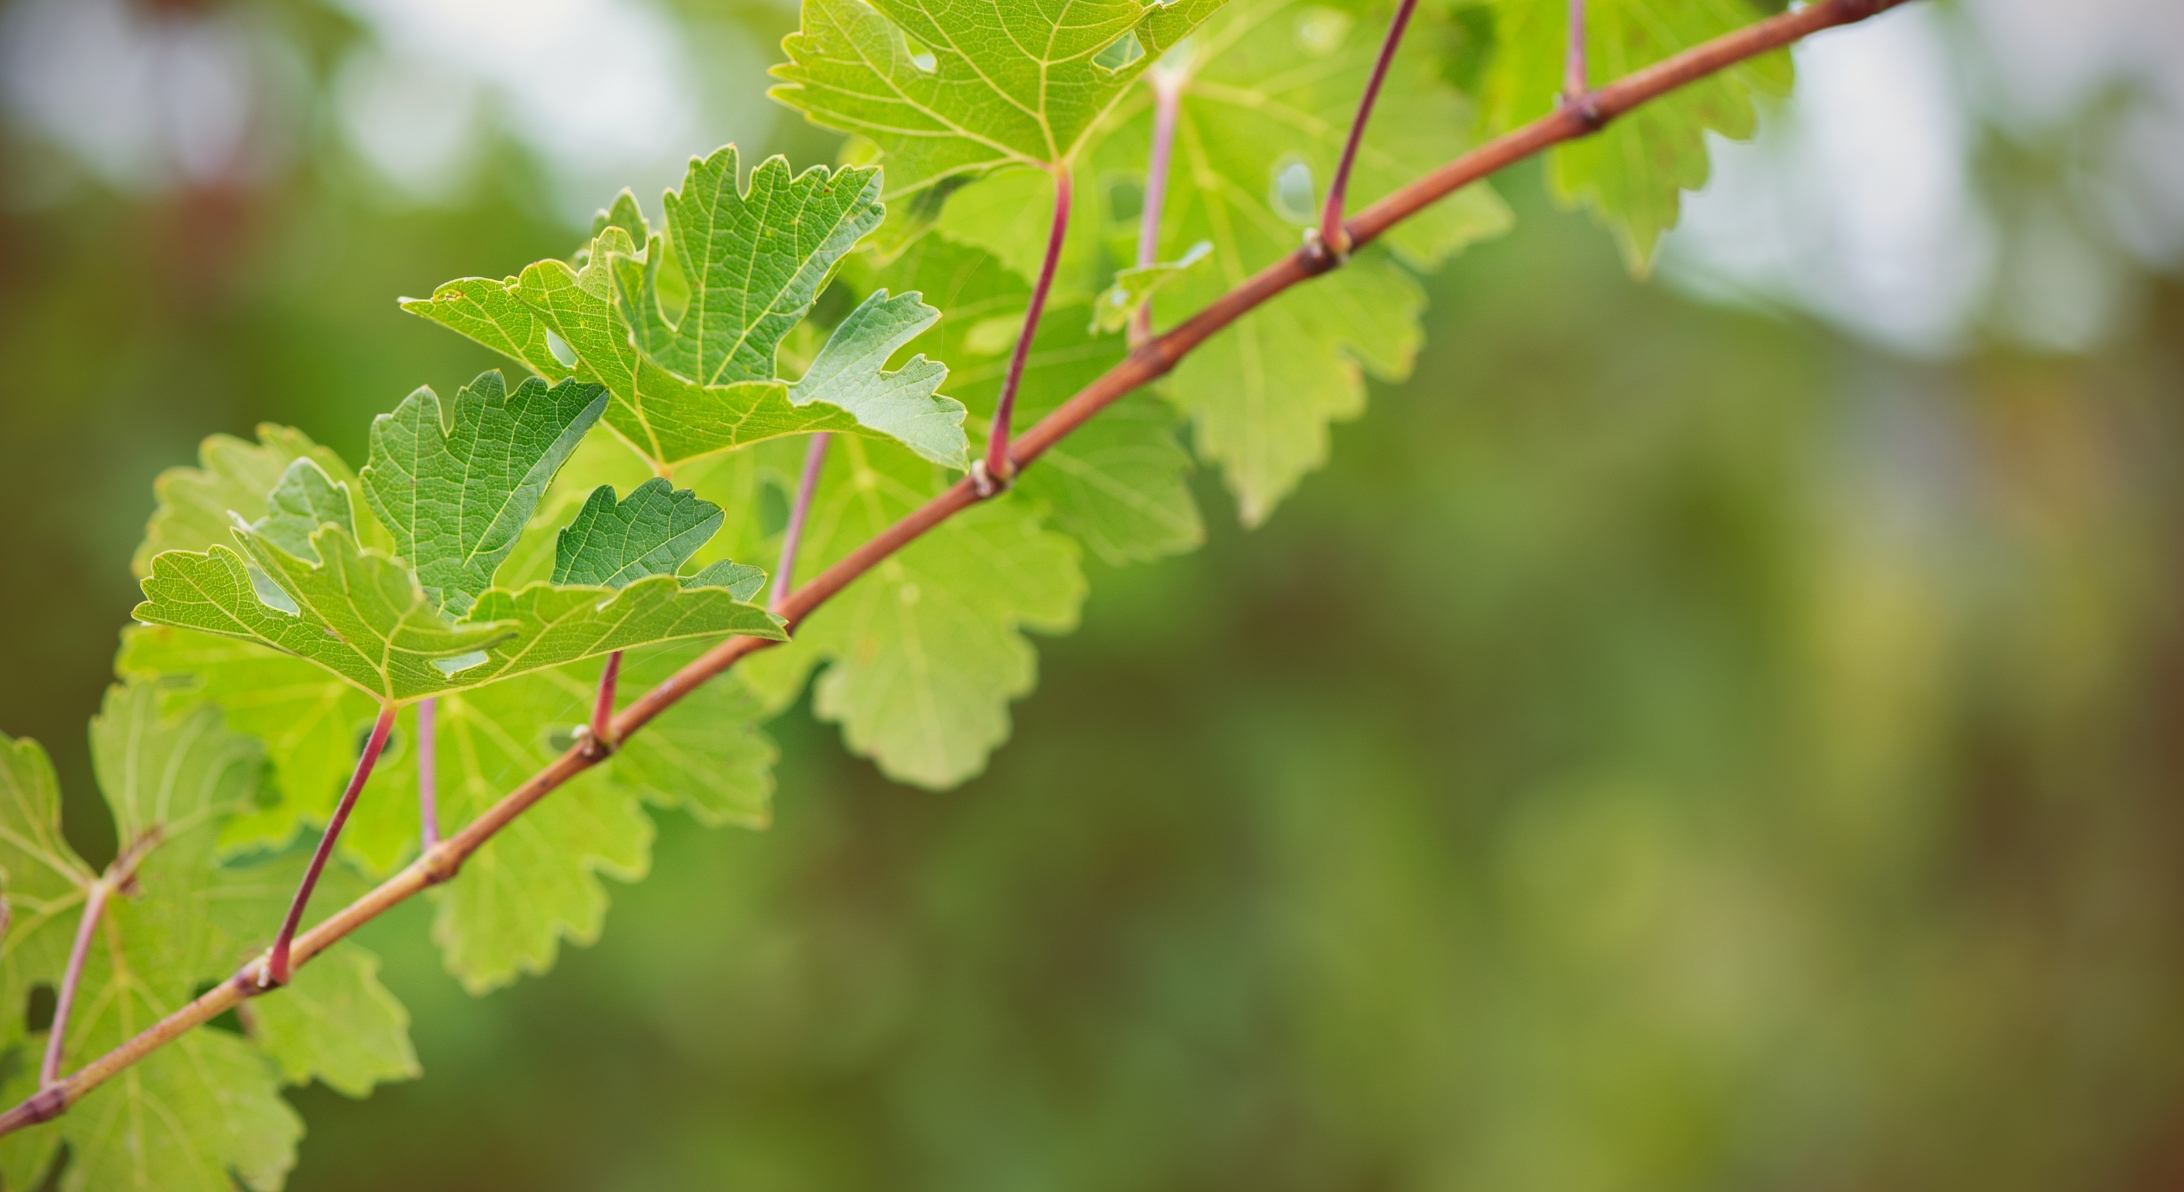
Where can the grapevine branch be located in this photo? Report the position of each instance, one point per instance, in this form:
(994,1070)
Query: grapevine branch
(1148,362)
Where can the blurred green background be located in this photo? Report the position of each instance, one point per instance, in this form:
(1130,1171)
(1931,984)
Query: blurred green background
(1720,732)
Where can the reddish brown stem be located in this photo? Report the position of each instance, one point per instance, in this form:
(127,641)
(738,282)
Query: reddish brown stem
(998,467)
(277,967)
(428,773)
(94,904)
(1167,103)
(1330,229)
(792,536)
(1147,363)
(602,739)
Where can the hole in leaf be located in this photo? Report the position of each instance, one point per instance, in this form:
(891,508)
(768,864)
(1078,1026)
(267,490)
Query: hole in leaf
(560,350)
(1321,31)
(1290,193)
(1120,53)
(40,1015)
(362,734)
(270,594)
(1125,201)
(231,1022)
(459,663)
(920,57)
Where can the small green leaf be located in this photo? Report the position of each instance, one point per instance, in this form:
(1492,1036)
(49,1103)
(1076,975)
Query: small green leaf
(848,372)
(1632,172)
(956,88)
(653,531)
(305,499)
(742,580)
(197,506)
(1135,286)
(456,499)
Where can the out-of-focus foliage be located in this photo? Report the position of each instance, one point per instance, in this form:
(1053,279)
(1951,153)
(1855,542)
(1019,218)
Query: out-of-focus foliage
(1669,747)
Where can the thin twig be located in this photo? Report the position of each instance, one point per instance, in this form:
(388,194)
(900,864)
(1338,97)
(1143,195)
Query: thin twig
(792,536)
(94,904)
(1331,233)
(1145,364)
(998,467)
(428,773)
(277,967)
(1167,102)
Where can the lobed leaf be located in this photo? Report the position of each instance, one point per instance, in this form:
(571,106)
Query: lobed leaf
(456,499)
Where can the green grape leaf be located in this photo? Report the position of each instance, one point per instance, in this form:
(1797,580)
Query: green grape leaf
(951,89)
(923,652)
(1630,173)
(197,506)
(704,380)
(1120,483)
(1135,286)
(1267,92)
(653,531)
(456,500)
(205,1109)
(305,499)
(363,616)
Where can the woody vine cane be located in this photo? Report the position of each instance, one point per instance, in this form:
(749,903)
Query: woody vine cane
(1151,359)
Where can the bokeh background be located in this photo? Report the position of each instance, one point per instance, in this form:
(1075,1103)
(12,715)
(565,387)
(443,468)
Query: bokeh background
(1719,732)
